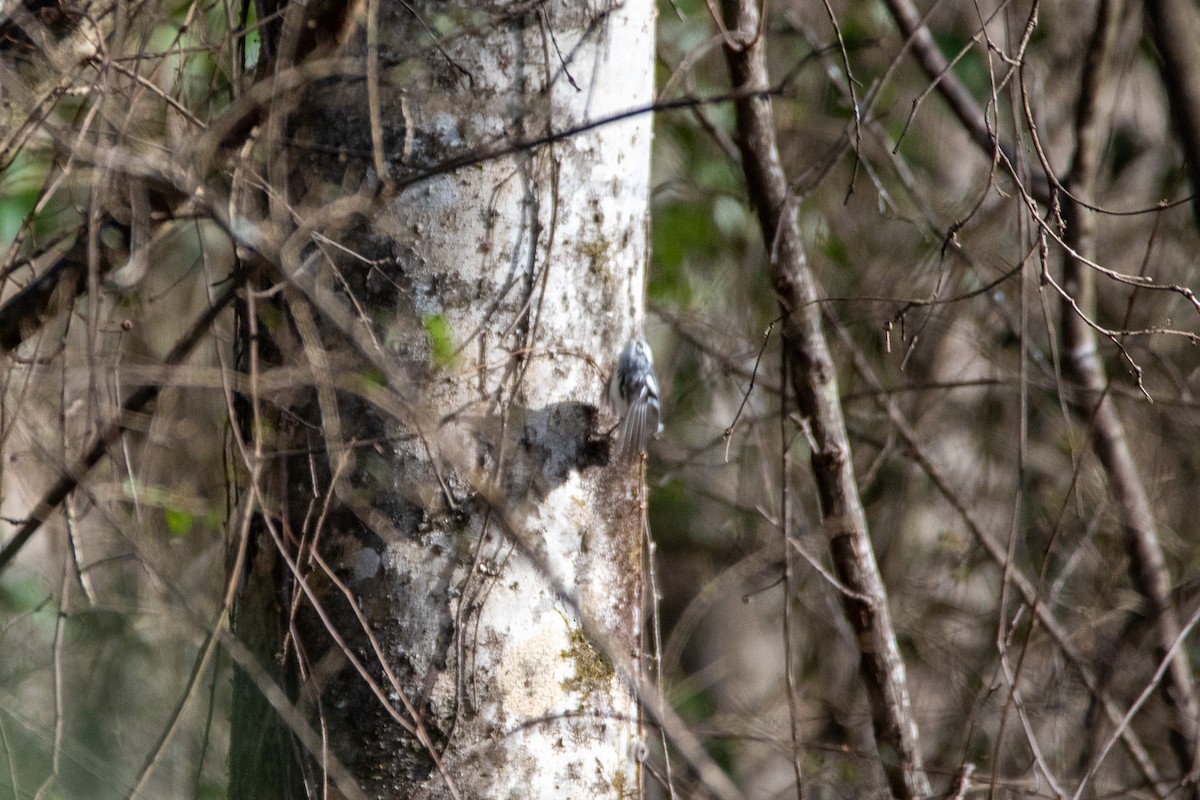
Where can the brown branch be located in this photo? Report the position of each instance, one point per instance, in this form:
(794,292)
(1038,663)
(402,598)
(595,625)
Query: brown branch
(1084,370)
(814,382)
(1042,188)
(789,580)
(938,70)
(287,710)
(935,66)
(1030,592)
(1175,30)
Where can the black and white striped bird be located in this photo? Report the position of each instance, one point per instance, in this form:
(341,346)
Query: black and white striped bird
(633,396)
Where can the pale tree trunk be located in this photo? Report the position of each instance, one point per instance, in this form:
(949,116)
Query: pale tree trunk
(469,512)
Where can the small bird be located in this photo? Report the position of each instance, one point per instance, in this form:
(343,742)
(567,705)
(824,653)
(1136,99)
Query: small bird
(633,396)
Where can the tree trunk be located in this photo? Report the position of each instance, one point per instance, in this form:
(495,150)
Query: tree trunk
(445,495)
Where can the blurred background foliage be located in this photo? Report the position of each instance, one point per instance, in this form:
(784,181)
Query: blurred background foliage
(942,323)
(930,263)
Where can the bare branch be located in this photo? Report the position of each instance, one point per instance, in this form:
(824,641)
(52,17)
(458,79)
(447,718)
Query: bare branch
(1082,367)
(998,553)
(814,382)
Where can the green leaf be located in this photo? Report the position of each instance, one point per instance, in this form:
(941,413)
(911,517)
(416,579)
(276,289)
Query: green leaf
(179,522)
(373,377)
(20,187)
(438,331)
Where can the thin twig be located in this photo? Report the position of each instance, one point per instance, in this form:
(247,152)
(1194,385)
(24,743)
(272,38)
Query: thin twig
(766,337)
(789,578)
(1164,667)
(1061,637)
(1083,368)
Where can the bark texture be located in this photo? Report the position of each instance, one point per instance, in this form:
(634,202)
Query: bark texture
(463,546)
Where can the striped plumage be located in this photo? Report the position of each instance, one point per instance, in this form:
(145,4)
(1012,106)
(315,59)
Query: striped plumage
(633,396)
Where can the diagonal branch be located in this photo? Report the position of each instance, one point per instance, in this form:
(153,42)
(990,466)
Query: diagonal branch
(1062,637)
(814,383)
(1176,33)
(57,270)
(973,119)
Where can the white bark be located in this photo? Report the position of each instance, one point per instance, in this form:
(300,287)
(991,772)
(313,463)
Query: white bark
(536,261)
